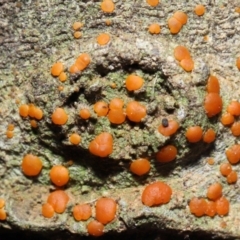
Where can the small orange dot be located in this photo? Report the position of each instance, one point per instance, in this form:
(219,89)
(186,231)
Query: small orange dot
(167,154)
(135,111)
(31,165)
(210,161)
(10,127)
(194,134)
(214,191)
(225,169)
(222,206)
(62,77)
(23,110)
(9,134)
(107,6)
(103,38)
(234,108)
(213,104)
(213,85)
(232,177)
(59,175)
(101,108)
(134,82)
(174,25)
(227,119)
(82,212)
(77,25)
(153,3)
(199,10)
(95,228)
(59,116)
(181,17)
(84,113)
(181,52)
(187,64)
(47,210)
(233,154)
(56,69)
(75,139)
(33,123)
(235,129)
(209,136)
(140,166)
(154,28)
(77,34)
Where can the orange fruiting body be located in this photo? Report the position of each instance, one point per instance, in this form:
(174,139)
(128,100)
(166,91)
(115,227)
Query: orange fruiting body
(31,165)
(181,17)
(102,145)
(194,134)
(74,68)
(33,123)
(233,154)
(225,169)
(134,82)
(166,154)
(154,28)
(82,61)
(235,129)
(181,52)
(3,215)
(135,111)
(210,209)
(84,113)
(38,113)
(213,85)
(58,200)
(187,64)
(209,136)
(107,6)
(106,209)
(174,25)
(116,103)
(140,166)
(153,3)
(95,228)
(199,10)
(9,134)
(232,177)
(77,25)
(77,34)
(101,108)
(62,77)
(214,191)
(222,206)
(10,127)
(156,193)
(56,69)
(59,175)
(82,212)
(23,110)
(75,139)
(197,206)
(212,104)
(59,116)
(103,38)
(227,119)
(47,210)
(116,116)
(168,129)
(234,108)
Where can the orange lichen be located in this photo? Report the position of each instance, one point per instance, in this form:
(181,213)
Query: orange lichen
(181,52)
(134,82)
(227,119)
(154,28)
(59,175)
(31,165)
(199,10)
(153,3)
(209,136)
(2,202)
(225,169)
(233,154)
(59,116)
(187,64)
(77,25)
(116,103)
(140,166)
(23,110)
(95,228)
(58,200)
(197,206)
(168,127)
(82,61)
(214,191)
(47,210)
(166,154)
(74,68)
(102,145)
(3,215)
(82,212)
(210,209)
(194,134)
(210,161)
(174,25)
(213,85)
(232,177)
(103,38)
(33,123)
(84,113)
(116,116)
(181,17)
(101,108)
(77,34)
(234,108)
(235,129)
(106,209)
(135,111)
(9,134)
(212,104)
(75,139)
(10,127)
(38,113)
(56,69)
(238,63)
(156,193)
(107,6)
(222,206)
(62,77)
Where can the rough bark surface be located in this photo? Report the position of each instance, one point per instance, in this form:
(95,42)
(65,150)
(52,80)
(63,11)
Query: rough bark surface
(36,34)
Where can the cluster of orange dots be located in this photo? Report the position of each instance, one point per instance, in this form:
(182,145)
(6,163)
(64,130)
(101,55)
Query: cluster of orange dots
(216,203)
(76,27)
(3,214)
(10,132)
